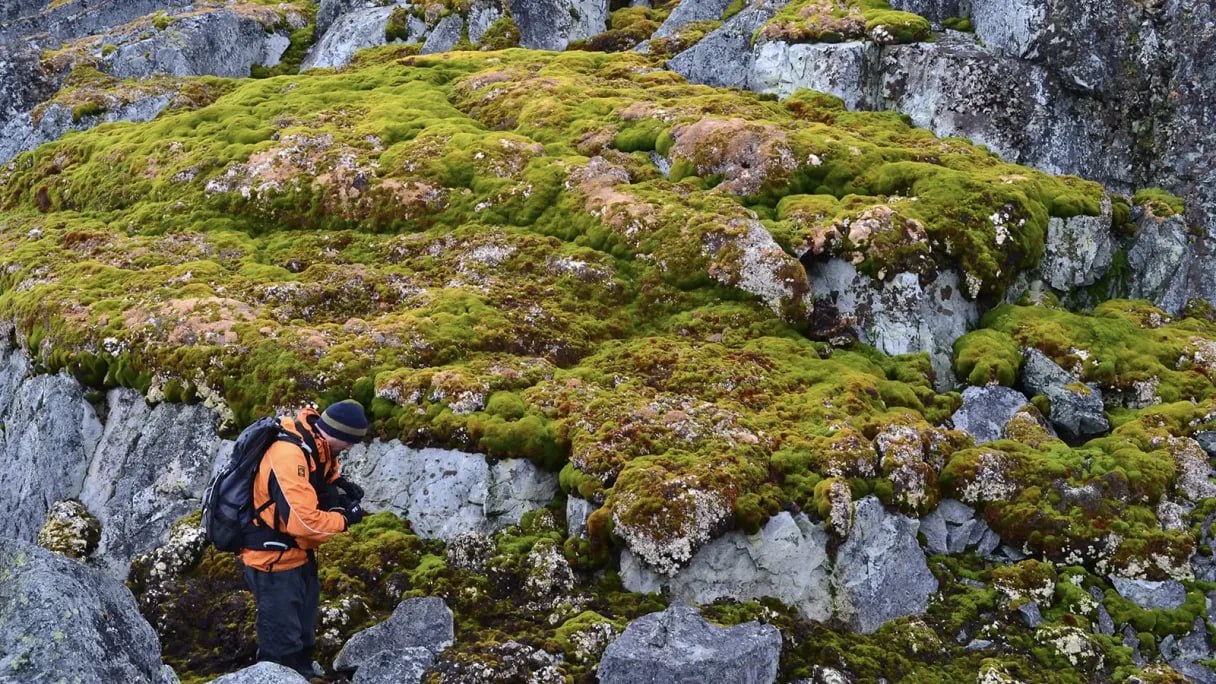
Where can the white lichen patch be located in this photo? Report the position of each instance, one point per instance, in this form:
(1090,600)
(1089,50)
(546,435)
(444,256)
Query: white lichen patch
(991,480)
(70,529)
(667,541)
(1072,643)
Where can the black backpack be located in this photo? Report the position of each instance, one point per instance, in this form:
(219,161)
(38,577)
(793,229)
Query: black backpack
(228,511)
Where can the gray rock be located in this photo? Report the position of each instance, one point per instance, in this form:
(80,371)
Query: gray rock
(1167,648)
(1079,250)
(1160,257)
(1150,595)
(689,11)
(956,512)
(347,34)
(552,24)
(933,526)
(328,12)
(446,493)
(1077,410)
(404,666)
(1011,26)
(1206,440)
(881,572)
(786,559)
(24,81)
(1191,654)
(986,411)
(63,621)
(445,35)
(1132,640)
(724,56)
(67,19)
(933,10)
(678,645)
(218,43)
(482,15)
(1106,624)
(989,542)
(21,133)
(150,469)
(898,315)
(415,623)
(50,433)
(978,645)
(959,536)
(1030,615)
(262,673)
(577,512)
(842,69)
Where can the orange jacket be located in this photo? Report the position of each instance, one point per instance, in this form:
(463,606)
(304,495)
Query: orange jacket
(283,480)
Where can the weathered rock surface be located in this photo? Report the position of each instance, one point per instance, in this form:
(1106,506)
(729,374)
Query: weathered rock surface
(577,512)
(63,621)
(67,19)
(1150,595)
(898,315)
(880,572)
(262,673)
(151,467)
(1076,408)
(415,623)
(219,43)
(404,666)
(552,24)
(349,32)
(1161,255)
(724,56)
(687,12)
(678,645)
(447,493)
(841,69)
(21,133)
(953,527)
(986,411)
(50,435)
(1192,655)
(786,559)
(1079,250)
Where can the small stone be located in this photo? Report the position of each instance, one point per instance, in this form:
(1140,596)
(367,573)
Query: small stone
(1030,615)
(978,645)
(1150,595)
(417,622)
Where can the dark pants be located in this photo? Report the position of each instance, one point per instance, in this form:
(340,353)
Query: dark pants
(287,613)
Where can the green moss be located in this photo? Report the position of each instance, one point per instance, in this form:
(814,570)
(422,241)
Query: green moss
(397,28)
(814,21)
(959,24)
(1160,202)
(986,356)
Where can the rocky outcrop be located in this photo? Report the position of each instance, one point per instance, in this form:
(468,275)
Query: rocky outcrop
(1150,595)
(448,493)
(723,57)
(63,621)
(25,132)
(880,572)
(987,410)
(1076,408)
(262,673)
(1160,257)
(404,666)
(680,645)
(49,23)
(898,315)
(953,527)
(219,43)
(786,559)
(687,12)
(151,468)
(49,438)
(1079,250)
(415,623)
(553,24)
(349,32)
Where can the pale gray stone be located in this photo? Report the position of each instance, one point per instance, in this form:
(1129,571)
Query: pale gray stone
(678,645)
(218,43)
(689,11)
(399,666)
(577,512)
(552,24)
(445,35)
(415,623)
(1076,411)
(724,56)
(1079,250)
(447,493)
(262,673)
(1160,256)
(840,69)
(1030,615)
(63,621)
(986,411)
(150,469)
(347,34)
(880,572)
(787,559)
(1150,595)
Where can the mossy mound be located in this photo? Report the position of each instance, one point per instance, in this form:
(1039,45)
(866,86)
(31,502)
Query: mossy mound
(835,21)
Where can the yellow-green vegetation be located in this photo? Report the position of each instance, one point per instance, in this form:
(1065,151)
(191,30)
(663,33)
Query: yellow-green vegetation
(483,247)
(1096,502)
(1160,202)
(835,21)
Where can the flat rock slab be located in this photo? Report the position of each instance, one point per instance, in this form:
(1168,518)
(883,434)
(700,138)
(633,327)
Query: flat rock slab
(1149,595)
(678,645)
(262,673)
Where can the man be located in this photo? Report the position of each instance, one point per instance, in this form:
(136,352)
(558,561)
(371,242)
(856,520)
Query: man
(297,508)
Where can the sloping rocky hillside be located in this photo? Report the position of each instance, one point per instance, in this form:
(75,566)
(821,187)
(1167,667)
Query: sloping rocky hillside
(649,308)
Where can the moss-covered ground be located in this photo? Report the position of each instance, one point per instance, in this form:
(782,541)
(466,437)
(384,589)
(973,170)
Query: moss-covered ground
(583,260)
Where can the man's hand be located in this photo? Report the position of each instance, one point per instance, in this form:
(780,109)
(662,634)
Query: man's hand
(353,514)
(354,491)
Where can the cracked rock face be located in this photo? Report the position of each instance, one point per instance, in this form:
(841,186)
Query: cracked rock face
(898,315)
(881,572)
(680,645)
(553,24)
(447,493)
(987,410)
(63,621)
(786,559)
(1076,408)
(415,623)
